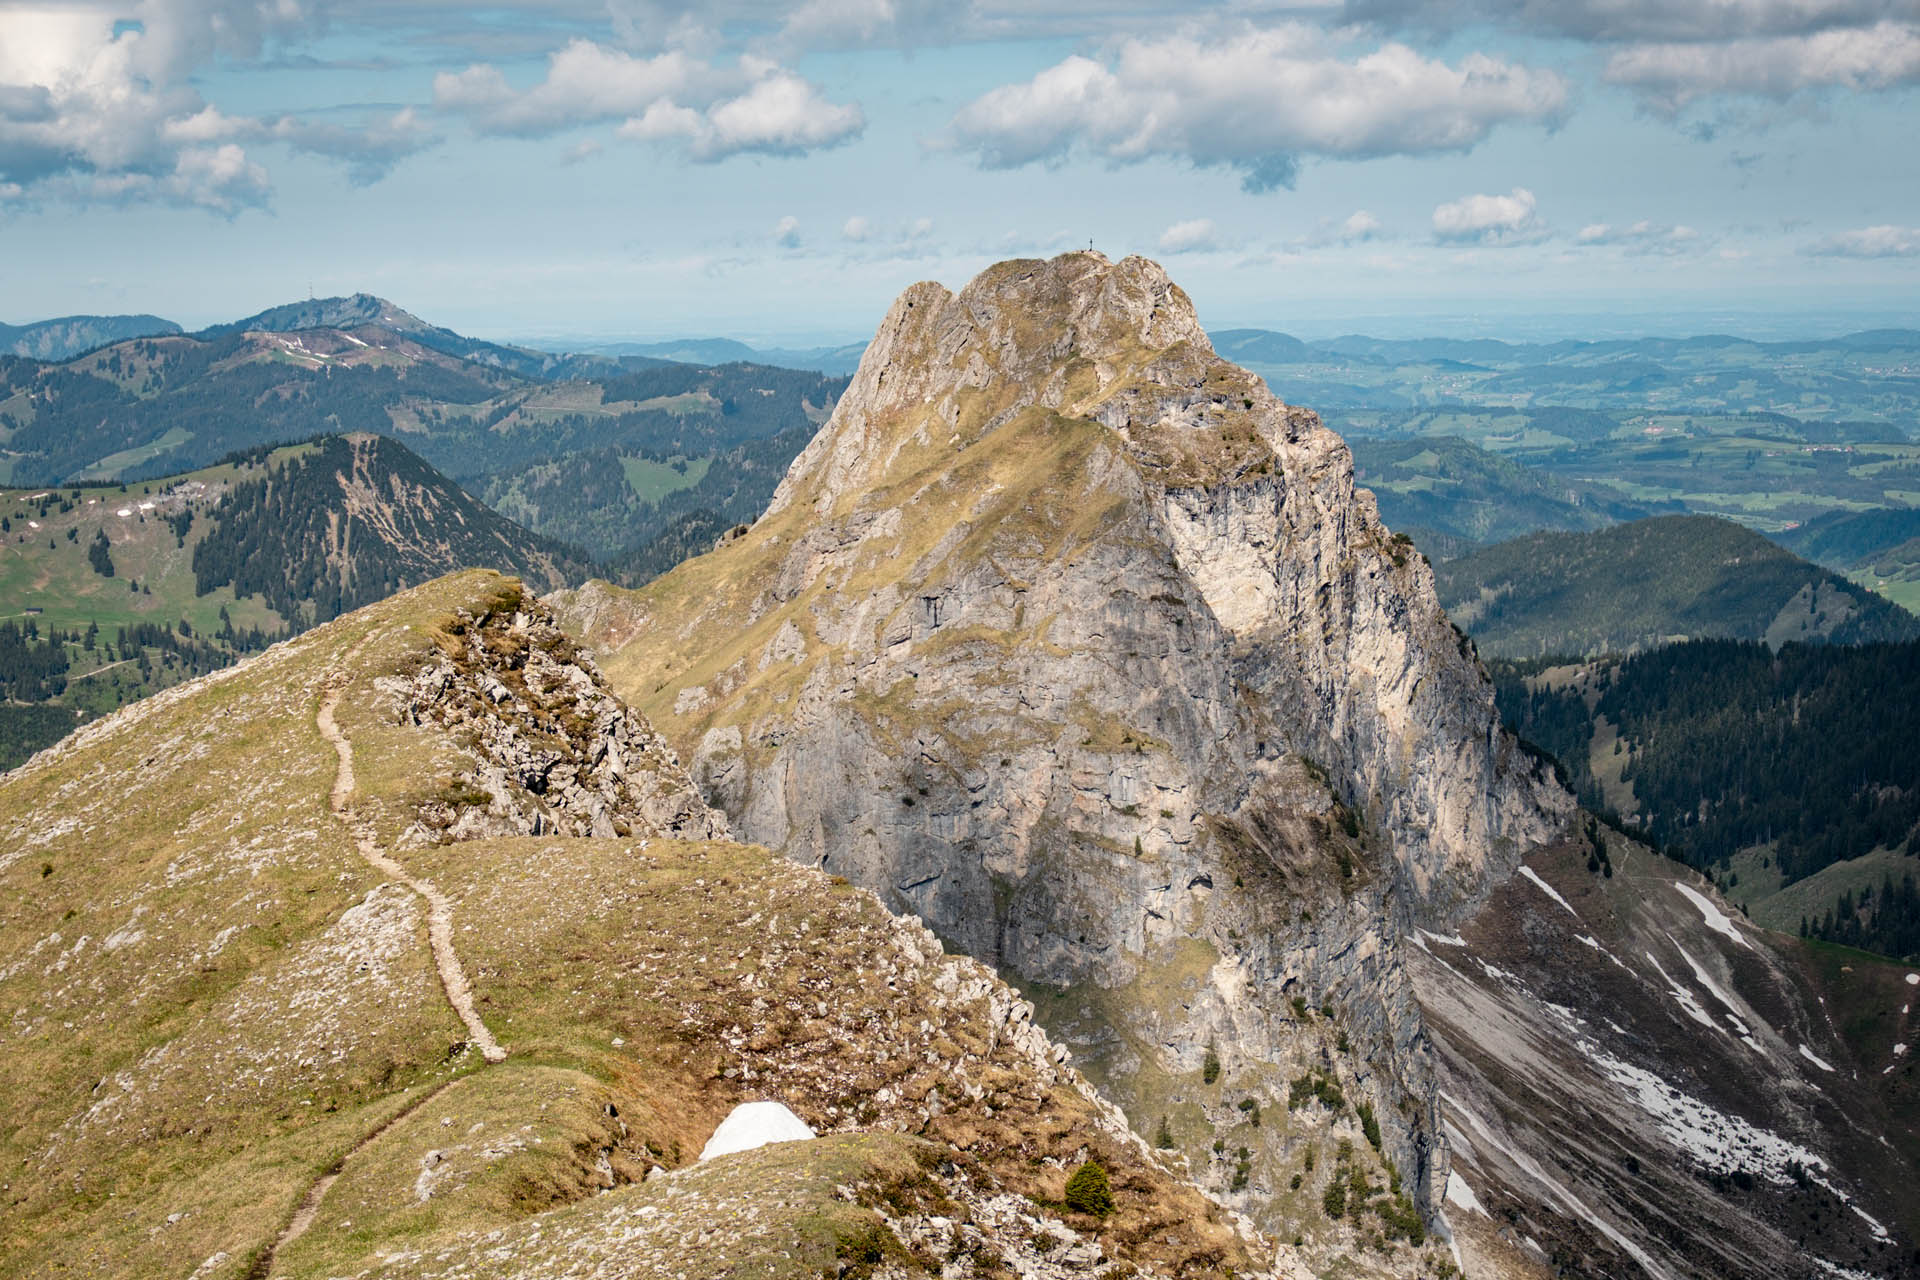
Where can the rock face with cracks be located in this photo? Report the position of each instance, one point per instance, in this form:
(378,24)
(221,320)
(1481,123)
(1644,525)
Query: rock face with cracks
(1067,636)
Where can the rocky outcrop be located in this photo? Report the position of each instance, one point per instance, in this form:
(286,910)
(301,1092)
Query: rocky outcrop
(554,752)
(1069,637)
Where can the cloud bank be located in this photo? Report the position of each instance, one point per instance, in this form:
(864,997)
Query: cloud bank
(1255,103)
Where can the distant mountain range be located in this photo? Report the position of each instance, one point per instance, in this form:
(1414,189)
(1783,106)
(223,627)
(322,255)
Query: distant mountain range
(839,361)
(613,453)
(69,336)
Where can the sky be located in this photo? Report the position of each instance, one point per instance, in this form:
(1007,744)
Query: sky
(574,171)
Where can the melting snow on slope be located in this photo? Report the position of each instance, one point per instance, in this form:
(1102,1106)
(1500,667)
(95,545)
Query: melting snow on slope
(1585,940)
(1481,1134)
(1815,1059)
(1421,938)
(1913,979)
(1716,918)
(755,1124)
(1720,1142)
(1459,1193)
(1547,889)
(1684,998)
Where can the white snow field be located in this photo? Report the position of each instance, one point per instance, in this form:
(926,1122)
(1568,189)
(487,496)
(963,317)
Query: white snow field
(755,1124)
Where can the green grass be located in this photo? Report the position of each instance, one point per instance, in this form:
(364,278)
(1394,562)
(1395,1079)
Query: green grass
(111,466)
(652,481)
(43,568)
(1782,908)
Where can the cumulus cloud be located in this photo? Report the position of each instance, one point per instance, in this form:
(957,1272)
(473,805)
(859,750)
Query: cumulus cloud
(786,232)
(1490,220)
(1869,242)
(1192,236)
(710,109)
(1255,102)
(98,103)
(780,115)
(856,229)
(1636,20)
(1670,76)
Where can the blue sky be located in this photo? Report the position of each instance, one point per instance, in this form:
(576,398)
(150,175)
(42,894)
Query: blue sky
(605,170)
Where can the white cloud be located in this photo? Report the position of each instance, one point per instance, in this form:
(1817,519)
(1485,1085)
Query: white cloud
(583,150)
(1192,236)
(786,232)
(780,115)
(1360,225)
(90,110)
(841,23)
(713,110)
(1490,220)
(1641,237)
(97,103)
(856,229)
(586,83)
(1869,242)
(1256,102)
(1670,76)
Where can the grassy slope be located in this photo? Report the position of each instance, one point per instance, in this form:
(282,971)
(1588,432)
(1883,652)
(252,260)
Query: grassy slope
(215,1001)
(652,481)
(60,580)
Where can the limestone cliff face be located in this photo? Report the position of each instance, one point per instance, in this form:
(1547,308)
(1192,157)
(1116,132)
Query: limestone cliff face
(1067,636)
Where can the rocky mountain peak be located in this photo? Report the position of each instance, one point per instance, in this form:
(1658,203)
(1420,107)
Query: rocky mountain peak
(1066,334)
(1069,637)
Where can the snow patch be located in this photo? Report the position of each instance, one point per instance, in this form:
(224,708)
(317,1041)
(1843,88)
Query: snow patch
(1684,998)
(1815,1059)
(1547,889)
(1913,979)
(1459,1193)
(1716,918)
(1421,938)
(755,1124)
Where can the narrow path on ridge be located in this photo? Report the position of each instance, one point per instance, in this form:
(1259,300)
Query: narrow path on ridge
(453,979)
(439,910)
(309,1208)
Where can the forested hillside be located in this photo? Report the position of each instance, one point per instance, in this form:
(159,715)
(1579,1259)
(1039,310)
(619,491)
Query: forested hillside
(1635,586)
(354,520)
(1796,770)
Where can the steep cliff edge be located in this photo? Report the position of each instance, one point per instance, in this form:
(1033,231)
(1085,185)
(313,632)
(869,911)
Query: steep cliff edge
(1065,635)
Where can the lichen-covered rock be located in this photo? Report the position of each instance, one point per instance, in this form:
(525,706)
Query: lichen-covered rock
(1069,637)
(554,751)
